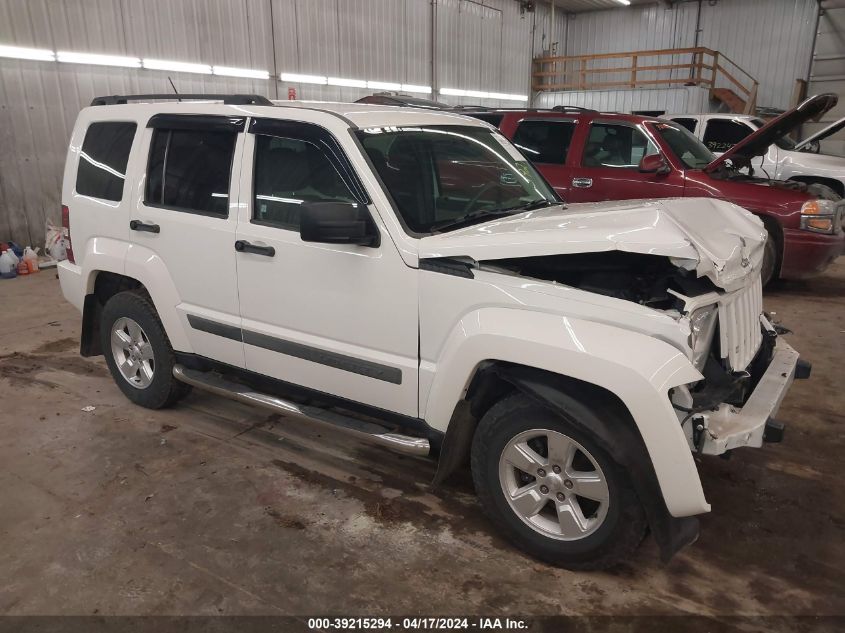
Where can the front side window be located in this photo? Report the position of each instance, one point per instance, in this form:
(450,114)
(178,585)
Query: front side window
(544,141)
(616,145)
(684,145)
(784,142)
(289,172)
(190,169)
(721,134)
(103,159)
(440,176)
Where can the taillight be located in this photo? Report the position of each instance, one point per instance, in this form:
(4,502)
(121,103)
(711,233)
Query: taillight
(66,227)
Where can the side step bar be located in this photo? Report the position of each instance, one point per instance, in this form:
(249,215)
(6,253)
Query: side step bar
(360,429)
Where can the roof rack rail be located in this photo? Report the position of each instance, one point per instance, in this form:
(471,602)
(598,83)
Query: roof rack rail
(566,108)
(226,99)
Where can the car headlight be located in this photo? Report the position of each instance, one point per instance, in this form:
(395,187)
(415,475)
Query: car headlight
(820,216)
(702,326)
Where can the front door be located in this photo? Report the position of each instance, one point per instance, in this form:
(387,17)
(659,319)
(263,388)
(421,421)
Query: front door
(183,226)
(335,318)
(608,168)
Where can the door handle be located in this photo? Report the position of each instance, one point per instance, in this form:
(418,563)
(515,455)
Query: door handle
(242,246)
(582,183)
(137,225)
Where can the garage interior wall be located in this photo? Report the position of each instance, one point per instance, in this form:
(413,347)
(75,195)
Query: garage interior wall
(828,71)
(770,39)
(481,45)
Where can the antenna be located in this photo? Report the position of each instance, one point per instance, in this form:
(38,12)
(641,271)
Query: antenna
(173,86)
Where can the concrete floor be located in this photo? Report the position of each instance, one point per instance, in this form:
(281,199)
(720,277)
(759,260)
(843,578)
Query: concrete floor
(216,508)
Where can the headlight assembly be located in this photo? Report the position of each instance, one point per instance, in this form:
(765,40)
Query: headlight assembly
(702,326)
(820,216)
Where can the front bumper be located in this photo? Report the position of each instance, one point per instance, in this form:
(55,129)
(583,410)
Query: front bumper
(728,426)
(806,254)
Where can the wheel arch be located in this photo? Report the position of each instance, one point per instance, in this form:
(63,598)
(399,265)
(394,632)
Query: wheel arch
(616,432)
(836,185)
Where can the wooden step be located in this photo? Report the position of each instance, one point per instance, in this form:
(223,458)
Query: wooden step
(727,96)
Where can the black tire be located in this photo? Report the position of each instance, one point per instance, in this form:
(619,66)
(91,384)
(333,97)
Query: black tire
(769,266)
(624,525)
(163,390)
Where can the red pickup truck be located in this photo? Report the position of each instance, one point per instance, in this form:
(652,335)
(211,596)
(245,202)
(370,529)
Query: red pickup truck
(592,156)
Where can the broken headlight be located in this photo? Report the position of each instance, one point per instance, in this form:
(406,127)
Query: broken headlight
(702,326)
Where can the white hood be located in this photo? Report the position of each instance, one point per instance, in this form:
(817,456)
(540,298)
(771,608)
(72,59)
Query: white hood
(715,238)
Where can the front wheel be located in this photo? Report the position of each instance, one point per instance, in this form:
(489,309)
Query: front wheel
(551,489)
(138,351)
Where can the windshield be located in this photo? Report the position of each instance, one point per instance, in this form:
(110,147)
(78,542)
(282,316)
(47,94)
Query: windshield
(692,152)
(438,175)
(784,142)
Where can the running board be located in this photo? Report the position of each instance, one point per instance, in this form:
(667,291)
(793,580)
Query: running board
(360,429)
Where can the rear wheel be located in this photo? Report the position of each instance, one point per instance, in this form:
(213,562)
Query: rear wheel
(550,488)
(138,351)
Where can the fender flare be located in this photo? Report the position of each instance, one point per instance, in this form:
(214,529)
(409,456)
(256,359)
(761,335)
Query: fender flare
(638,369)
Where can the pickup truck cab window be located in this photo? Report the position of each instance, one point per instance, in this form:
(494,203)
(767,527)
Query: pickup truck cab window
(439,175)
(103,159)
(616,145)
(720,134)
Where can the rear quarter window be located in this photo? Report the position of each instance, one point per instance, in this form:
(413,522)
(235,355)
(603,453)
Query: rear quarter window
(101,171)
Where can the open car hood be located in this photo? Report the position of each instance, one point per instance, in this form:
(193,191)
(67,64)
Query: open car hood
(758,142)
(717,239)
(822,134)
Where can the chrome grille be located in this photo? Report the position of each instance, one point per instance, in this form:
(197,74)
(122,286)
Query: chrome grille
(739,325)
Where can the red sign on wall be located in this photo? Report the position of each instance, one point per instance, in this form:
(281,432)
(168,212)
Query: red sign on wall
(291,94)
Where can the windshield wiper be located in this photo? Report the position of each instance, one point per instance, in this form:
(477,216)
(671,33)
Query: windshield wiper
(490,213)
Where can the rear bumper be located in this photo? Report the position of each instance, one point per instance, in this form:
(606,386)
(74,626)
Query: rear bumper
(730,427)
(72,283)
(806,254)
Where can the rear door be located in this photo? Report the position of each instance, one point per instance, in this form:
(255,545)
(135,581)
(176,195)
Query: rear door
(184,225)
(607,167)
(546,143)
(340,319)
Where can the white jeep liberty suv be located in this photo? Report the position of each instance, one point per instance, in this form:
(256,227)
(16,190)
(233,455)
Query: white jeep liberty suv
(406,276)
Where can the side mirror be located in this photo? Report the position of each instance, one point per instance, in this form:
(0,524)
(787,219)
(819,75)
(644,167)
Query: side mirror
(813,147)
(654,164)
(337,223)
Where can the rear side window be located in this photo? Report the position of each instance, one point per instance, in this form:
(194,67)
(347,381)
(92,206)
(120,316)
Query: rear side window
(189,170)
(687,123)
(289,172)
(102,161)
(544,141)
(721,135)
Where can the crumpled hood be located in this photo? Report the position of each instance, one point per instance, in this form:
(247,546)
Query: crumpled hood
(715,238)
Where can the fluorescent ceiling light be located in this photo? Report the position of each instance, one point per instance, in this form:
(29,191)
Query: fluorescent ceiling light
(454,92)
(98,60)
(304,79)
(625,2)
(412,88)
(16,52)
(227,71)
(348,83)
(179,67)
(383,85)
(478,94)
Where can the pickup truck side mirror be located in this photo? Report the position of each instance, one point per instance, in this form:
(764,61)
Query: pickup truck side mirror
(654,164)
(337,223)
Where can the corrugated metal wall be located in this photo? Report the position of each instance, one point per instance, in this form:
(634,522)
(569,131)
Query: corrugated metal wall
(482,45)
(770,39)
(681,99)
